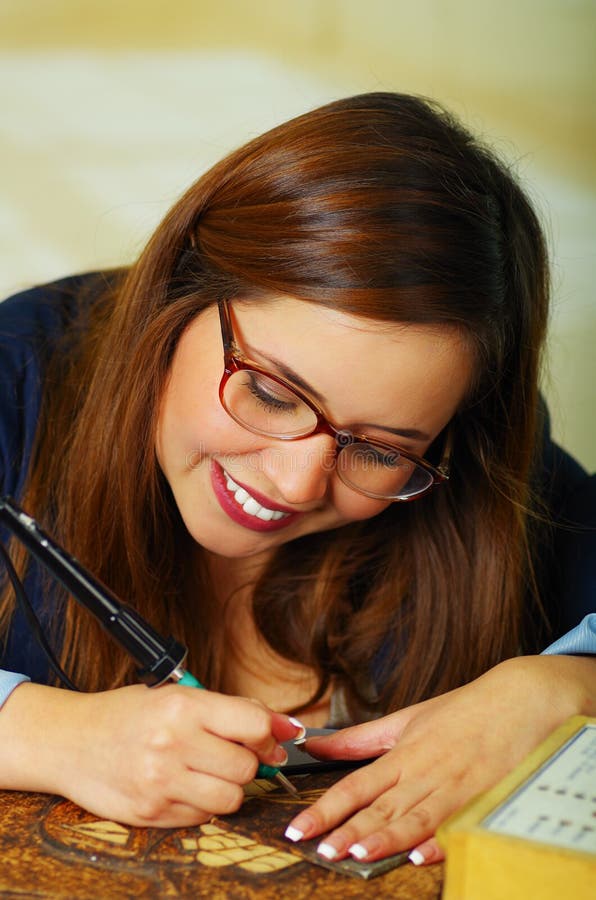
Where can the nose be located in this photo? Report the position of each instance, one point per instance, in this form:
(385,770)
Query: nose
(300,469)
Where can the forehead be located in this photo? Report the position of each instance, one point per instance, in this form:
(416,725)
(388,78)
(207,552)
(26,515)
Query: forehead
(390,374)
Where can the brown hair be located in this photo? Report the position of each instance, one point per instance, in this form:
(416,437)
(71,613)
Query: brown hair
(383,206)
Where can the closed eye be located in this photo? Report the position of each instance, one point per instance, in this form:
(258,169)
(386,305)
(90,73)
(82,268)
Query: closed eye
(261,389)
(369,454)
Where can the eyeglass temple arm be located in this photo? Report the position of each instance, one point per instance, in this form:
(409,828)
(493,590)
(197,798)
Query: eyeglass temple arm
(227,332)
(443,466)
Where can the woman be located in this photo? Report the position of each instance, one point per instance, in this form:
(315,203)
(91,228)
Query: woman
(356,523)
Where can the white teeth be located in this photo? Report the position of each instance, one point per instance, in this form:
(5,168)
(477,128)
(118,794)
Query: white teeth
(232,486)
(242,497)
(250,505)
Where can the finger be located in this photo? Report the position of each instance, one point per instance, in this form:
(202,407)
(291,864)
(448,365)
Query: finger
(419,824)
(368,739)
(286,728)
(234,718)
(353,792)
(170,815)
(222,759)
(359,741)
(426,853)
(178,815)
(192,796)
(281,728)
(370,829)
(238,720)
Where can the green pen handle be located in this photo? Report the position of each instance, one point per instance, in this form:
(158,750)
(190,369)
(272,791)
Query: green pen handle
(190,681)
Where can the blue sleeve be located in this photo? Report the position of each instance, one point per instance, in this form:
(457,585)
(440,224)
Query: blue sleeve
(8,682)
(580,641)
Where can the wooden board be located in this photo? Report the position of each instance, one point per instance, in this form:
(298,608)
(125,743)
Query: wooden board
(51,848)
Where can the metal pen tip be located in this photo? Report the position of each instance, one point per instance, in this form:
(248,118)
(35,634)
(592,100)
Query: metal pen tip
(286,784)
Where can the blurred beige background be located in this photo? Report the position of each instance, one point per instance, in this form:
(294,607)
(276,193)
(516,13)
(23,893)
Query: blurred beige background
(108,110)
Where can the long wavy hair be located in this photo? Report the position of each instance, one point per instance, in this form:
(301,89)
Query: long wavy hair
(382,206)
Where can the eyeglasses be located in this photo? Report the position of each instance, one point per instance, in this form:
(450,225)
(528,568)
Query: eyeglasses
(268,405)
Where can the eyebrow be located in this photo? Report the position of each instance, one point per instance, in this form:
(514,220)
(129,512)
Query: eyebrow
(290,375)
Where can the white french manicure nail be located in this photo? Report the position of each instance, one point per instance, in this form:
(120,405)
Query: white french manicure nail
(280,757)
(358,851)
(299,725)
(294,834)
(416,857)
(327,851)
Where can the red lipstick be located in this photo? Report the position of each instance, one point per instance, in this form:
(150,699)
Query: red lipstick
(229,505)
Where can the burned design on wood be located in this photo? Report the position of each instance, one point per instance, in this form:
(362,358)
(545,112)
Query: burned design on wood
(211,846)
(111,832)
(216,847)
(216,844)
(264,789)
(52,848)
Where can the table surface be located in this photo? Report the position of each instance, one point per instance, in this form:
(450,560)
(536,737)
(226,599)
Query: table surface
(51,848)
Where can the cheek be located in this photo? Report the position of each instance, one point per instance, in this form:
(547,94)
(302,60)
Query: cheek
(354,507)
(188,414)
(188,434)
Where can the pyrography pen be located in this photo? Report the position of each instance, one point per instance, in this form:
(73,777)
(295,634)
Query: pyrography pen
(160,659)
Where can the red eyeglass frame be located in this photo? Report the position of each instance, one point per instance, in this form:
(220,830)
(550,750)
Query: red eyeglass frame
(236,361)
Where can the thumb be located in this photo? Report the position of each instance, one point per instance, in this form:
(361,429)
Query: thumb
(359,741)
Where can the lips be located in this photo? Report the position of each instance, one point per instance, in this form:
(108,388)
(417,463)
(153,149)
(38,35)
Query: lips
(248,507)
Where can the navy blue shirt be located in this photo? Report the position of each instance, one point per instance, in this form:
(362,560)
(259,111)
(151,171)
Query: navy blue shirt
(34,322)
(31,325)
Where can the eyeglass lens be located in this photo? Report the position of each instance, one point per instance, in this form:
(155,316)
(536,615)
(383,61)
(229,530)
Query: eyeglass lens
(264,406)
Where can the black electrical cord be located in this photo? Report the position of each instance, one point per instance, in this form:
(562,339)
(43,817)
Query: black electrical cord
(33,621)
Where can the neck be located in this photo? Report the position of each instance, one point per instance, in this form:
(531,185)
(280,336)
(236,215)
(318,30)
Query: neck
(252,668)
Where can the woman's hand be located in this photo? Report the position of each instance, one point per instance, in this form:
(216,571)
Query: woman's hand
(435,756)
(170,756)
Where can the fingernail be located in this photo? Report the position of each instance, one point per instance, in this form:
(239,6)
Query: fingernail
(327,851)
(358,851)
(304,825)
(298,724)
(294,834)
(280,756)
(299,742)
(416,857)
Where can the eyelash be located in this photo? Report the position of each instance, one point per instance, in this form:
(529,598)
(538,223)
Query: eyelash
(274,404)
(266,400)
(384,456)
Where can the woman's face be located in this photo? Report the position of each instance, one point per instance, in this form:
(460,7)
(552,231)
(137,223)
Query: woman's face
(390,378)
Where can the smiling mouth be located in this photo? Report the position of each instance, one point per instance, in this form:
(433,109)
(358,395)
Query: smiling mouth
(251,506)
